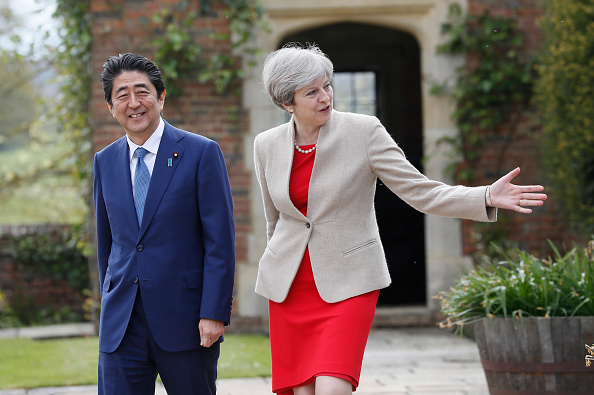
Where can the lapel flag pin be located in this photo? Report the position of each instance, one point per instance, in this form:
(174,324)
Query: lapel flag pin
(169,162)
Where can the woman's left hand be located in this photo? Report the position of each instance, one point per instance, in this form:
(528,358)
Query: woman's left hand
(506,195)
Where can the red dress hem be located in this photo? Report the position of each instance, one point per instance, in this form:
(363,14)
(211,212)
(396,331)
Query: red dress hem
(289,390)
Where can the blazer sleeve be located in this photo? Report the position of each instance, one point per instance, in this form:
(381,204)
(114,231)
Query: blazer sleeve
(216,215)
(103,227)
(270,211)
(389,163)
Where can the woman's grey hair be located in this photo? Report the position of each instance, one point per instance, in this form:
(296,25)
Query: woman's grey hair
(291,68)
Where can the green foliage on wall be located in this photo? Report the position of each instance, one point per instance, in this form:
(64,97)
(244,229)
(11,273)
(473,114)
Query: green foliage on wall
(178,54)
(245,19)
(74,68)
(565,97)
(494,90)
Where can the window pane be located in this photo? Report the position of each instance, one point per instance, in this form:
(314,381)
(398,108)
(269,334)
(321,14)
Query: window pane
(355,92)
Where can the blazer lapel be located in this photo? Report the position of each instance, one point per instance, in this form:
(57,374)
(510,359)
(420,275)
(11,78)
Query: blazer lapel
(122,176)
(162,174)
(328,170)
(284,150)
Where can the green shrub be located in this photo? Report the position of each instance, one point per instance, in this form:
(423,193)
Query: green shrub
(7,317)
(58,254)
(565,97)
(560,286)
(24,311)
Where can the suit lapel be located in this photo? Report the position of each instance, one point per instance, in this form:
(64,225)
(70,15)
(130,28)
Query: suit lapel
(122,176)
(162,173)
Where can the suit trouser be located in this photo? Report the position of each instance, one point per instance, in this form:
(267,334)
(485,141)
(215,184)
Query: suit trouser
(132,368)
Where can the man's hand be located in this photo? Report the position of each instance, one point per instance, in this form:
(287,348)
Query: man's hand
(210,331)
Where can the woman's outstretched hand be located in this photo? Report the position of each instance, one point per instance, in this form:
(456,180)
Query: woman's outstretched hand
(508,196)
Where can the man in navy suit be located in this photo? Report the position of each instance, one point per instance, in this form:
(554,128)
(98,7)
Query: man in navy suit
(167,260)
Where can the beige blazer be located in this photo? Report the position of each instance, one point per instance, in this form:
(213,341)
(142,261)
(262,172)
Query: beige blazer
(340,229)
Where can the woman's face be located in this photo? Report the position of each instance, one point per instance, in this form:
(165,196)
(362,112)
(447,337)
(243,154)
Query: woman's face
(313,104)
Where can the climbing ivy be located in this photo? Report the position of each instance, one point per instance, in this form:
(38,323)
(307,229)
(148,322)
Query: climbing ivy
(246,18)
(493,88)
(73,58)
(73,115)
(178,54)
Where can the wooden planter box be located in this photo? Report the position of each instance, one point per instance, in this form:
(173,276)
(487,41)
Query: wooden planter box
(536,355)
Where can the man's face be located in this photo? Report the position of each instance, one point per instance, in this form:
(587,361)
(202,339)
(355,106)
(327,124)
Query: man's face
(136,105)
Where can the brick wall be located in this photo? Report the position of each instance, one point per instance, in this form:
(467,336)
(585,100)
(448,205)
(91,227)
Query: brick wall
(126,26)
(532,231)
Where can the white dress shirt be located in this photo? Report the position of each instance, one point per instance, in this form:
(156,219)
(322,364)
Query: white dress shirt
(151,145)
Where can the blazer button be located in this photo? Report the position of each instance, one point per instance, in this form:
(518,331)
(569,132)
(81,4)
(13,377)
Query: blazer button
(135,280)
(308,225)
(139,247)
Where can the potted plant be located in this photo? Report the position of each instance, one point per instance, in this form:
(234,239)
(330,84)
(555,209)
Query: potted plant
(531,318)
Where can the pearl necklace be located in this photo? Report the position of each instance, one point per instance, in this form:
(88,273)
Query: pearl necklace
(307,151)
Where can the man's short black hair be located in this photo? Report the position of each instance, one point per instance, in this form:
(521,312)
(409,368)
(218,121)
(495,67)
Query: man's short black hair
(115,65)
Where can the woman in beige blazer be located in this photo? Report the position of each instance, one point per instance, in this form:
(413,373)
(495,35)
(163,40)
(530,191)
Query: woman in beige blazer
(317,175)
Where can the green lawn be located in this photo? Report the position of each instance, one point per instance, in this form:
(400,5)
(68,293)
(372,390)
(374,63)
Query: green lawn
(244,356)
(26,363)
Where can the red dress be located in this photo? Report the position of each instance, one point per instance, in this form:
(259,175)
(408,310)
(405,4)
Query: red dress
(309,337)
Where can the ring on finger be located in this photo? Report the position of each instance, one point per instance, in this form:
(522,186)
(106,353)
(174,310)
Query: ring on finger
(521,202)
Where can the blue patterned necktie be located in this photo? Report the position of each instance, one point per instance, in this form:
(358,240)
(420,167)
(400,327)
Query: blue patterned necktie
(142,178)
